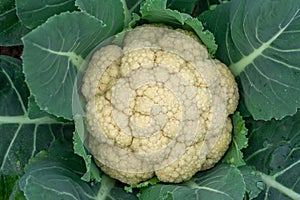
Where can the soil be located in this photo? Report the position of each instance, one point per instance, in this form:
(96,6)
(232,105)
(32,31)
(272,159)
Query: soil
(13,51)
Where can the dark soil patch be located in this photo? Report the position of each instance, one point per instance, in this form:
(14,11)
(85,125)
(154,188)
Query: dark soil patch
(14,51)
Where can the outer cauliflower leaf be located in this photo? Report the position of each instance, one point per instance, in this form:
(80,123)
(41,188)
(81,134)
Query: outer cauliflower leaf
(157,105)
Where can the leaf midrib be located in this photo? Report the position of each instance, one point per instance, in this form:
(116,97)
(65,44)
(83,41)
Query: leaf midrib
(76,59)
(23,119)
(107,184)
(270,181)
(238,67)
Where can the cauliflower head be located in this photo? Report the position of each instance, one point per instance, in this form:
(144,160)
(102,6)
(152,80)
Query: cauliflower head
(157,105)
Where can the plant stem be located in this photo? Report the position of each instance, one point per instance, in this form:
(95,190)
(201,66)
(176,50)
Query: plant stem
(271,182)
(107,184)
(22,119)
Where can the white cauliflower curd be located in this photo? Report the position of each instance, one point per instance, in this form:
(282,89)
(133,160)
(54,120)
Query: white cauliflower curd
(157,105)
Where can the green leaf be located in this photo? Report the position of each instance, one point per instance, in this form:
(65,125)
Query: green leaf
(11,29)
(6,185)
(56,175)
(186,6)
(34,111)
(257,40)
(9,188)
(21,136)
(134,5)
(221,182)
(152,181)
(13,91)
(48,178)
(109,190)
(53,52)
(274,149)
(35,12)
(92,172)
(155,11)
(242,108)
(112,13)
(135,18)
(253,181)
(234,154)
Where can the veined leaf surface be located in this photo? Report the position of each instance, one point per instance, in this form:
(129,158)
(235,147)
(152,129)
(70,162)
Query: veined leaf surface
(21,136)
(258,40)
(35,12)
(112,13)
(222,182)
(274,150)
(59,47)
(11,29)
(156,11)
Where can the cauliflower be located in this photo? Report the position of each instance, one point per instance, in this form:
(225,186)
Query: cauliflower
(157,105)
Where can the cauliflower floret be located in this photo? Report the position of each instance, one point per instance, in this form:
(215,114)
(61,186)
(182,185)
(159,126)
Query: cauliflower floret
(158,105)
(229,85)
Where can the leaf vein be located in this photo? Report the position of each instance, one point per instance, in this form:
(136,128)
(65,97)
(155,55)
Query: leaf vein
(240,66)
(45,7)
(16,91)
(6,155)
